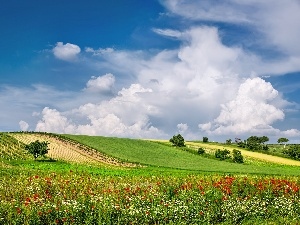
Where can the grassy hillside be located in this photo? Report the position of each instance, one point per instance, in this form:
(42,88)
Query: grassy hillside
(11,148)
(162,155)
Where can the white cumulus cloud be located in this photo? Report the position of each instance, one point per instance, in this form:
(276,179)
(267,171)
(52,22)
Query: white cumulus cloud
(23,125)
(67,52)
(182,128)
(53,121)
(103,83)
(250,112)
(203,81)
(125,115)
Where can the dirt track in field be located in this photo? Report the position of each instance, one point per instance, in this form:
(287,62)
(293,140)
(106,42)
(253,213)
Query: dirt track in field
(255,155)
(68,152)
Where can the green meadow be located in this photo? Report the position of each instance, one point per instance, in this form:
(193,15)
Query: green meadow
(167,185)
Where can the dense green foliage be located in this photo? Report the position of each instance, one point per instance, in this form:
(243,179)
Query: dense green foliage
(254,143)
(222,154)
(237,156)
(282,140)
(177,140)
(205,139)
(293,151)
(201,151)
(37,148)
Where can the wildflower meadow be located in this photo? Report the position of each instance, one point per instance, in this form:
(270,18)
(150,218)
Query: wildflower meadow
(79,198)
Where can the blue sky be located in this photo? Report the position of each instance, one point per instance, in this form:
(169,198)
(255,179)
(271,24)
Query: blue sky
(151,69)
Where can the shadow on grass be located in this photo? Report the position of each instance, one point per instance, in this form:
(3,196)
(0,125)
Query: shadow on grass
(46,160)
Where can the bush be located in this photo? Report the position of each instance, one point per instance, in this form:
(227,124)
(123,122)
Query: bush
(237,156)
(201,151)
(222,154)
(205,139)
(241,144)
(293,152)
(177,140)
(265,147)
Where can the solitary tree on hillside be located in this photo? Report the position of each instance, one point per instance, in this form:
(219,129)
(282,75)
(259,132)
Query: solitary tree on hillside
(205,139)
(37,148)
(177,140)
(282,140)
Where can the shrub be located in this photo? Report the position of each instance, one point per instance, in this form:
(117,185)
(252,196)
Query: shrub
(222,154)
(265,147)
(201,151)
(237,156)
(241,144)
(293,152)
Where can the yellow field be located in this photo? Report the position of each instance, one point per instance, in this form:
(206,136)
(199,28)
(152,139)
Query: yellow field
(58,149)
(245,153)
(69,152)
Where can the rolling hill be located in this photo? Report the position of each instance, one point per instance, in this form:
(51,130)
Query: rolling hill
(131,152)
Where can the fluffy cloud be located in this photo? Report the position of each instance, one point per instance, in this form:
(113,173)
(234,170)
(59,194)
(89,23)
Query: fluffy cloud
(182,128)
(53,121)
(200,82)
(124,115)
(275,24)
(103,83)
(193,77)
(67,52)
(250,112)
(203,82)
(23,125)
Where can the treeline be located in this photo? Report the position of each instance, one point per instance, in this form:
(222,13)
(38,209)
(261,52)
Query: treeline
(254,143)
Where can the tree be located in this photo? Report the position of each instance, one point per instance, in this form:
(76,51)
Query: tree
(222,154)
(37,148)
(253,143)
(177,140)
(257,143)
(263,139)
(205,139)
(282,140)
(229,141)
(237,156)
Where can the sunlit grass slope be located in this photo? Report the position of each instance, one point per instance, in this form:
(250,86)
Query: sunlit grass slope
(11,148)
(157,154)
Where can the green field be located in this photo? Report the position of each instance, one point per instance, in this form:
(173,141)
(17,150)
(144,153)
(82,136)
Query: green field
(164,155)
(168,186)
